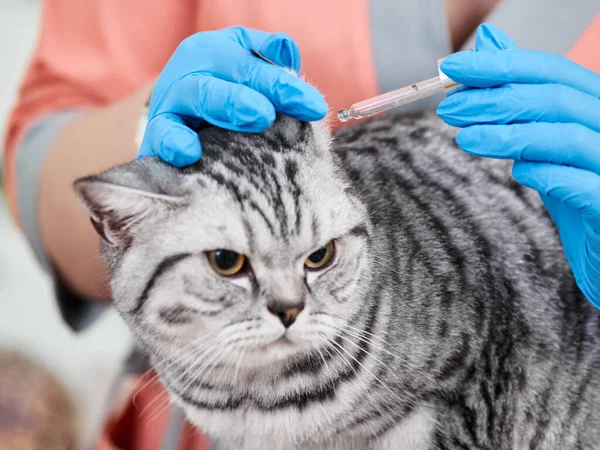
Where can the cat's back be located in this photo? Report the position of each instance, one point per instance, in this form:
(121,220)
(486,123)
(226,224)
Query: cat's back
(423,145)
(409,169)
(487,242)
(415,180)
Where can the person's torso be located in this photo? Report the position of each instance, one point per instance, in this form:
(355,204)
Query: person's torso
(351,50)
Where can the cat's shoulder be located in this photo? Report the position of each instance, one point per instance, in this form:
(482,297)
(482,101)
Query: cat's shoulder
(420,138)
(402,133)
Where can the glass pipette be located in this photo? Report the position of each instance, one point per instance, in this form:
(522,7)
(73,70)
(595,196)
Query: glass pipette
(399,97)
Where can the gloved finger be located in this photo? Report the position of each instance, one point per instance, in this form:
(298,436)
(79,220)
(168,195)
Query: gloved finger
(574,235)
(514,103)
(490,37)
(577,188)
(288,93)
(494,68)
(568,144)
(168,137)
(278,47)
(221,103)
(282,50)
(585,259)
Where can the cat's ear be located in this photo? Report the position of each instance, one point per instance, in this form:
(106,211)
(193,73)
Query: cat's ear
(119,203)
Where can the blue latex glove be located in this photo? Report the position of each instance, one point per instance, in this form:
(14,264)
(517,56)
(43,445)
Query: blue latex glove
(212,76)
(542,111)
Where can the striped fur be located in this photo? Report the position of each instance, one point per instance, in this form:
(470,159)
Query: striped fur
(448,320)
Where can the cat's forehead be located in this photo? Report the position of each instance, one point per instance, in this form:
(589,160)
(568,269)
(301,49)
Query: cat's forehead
(293,202)
(277,191)
(278,215)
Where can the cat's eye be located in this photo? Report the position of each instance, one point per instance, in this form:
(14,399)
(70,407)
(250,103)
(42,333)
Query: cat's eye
(321,258)
(226,262)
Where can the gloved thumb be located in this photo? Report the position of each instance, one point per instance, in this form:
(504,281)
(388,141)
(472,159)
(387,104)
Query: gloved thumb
(282,50)
(490,37)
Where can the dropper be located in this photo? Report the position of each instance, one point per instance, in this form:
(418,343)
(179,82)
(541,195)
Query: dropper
(399,97)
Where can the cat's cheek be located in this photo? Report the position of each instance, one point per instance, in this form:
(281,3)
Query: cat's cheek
(168,324)
(337,287)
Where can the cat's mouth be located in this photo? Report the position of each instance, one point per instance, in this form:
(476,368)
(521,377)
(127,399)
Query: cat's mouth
(284,341)
(280,348)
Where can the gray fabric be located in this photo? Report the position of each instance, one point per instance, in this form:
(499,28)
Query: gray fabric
(545,25)
(408,38)
(76,312)
(29,161)
(174,429)
(218,445)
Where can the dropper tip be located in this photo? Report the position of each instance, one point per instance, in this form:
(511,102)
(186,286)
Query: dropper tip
(343,115)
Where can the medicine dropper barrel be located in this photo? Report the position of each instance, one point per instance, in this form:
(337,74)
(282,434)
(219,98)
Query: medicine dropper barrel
(399,97)
(393,99)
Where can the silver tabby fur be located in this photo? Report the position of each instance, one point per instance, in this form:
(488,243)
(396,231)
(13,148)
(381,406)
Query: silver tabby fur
(449,318)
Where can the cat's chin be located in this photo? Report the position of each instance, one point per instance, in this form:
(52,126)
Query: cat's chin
(279,351)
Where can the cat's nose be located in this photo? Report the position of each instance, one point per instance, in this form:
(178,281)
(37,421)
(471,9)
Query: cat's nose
(286,311)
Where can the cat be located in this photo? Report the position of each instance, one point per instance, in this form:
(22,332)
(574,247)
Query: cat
(377,289)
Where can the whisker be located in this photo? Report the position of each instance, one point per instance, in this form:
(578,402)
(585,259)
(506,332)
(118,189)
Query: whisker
(358,330)
(369,372)
(374,357)
(184,375)
(341,355)
(325,365)
(165,404)
(238,365)
(385,266)
(397,356)
(154,379)
(358,333)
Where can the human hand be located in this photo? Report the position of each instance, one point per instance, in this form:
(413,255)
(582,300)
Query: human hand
(542,111)
(213,76)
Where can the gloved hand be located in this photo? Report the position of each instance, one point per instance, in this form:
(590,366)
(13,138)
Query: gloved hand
(542,111)
(213,76)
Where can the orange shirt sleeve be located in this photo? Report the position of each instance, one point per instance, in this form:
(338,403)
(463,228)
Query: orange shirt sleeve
(91,53)
(586,50)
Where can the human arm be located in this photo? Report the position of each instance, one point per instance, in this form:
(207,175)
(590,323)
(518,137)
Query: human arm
(543,112)
(93,142)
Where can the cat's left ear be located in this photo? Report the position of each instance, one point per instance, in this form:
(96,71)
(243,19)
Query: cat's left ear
(121,204)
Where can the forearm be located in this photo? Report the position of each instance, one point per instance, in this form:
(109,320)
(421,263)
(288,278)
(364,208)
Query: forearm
(94,142)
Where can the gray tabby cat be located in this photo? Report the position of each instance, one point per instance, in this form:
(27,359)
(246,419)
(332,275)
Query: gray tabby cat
(384,291)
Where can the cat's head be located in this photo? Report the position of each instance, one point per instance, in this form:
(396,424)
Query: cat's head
(259,252)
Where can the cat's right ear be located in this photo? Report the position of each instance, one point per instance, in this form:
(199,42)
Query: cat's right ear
(118,212)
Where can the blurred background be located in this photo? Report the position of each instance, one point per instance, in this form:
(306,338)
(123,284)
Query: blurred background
(86,364)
